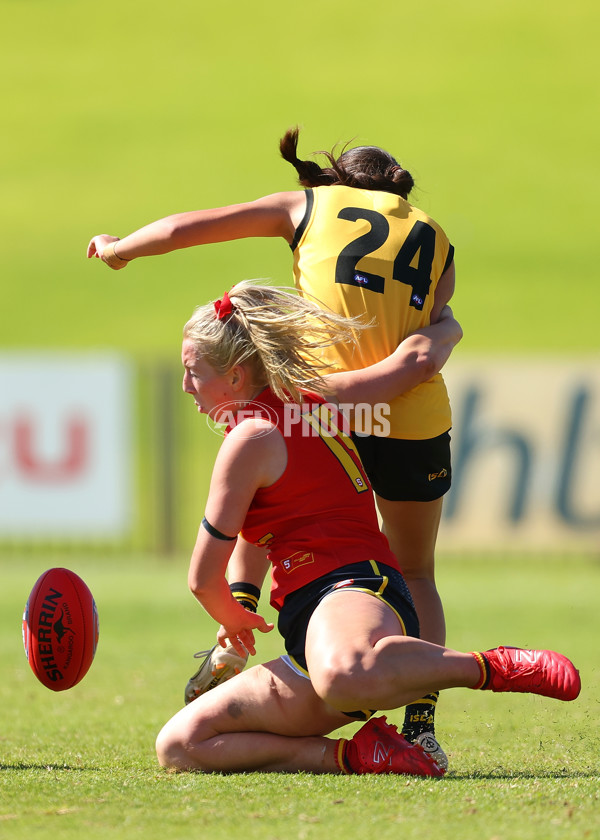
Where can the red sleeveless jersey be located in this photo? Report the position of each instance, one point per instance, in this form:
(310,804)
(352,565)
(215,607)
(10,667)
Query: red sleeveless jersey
(320,515)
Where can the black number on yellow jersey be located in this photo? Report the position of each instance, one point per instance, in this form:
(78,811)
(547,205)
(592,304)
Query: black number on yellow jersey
(345,268)
(412,265)
(419,244)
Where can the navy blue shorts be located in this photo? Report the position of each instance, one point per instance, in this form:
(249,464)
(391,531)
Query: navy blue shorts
(385,582)
(406,470)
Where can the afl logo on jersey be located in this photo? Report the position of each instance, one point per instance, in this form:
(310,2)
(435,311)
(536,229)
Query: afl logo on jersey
(361,280)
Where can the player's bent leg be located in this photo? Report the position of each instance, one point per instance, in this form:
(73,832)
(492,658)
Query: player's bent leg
(367,663)
(341,654)
(268,718)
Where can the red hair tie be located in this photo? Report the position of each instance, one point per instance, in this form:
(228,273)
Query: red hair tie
(224,307)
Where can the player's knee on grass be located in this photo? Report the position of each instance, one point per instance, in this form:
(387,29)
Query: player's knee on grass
(171,752)
(165,750)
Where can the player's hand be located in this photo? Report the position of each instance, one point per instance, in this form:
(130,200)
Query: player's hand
(99,243)
(242,637)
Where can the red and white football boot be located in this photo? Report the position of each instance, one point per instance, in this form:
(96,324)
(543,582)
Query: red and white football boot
(378,747)
(543,672)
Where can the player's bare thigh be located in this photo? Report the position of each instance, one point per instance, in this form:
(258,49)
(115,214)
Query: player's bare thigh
(341,646)
(265,698)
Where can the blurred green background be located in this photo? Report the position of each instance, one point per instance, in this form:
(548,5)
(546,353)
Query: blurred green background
(116,114)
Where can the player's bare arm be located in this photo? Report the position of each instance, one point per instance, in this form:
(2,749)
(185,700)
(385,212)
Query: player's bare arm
(443,292)
(248,565)
(416,359)
(275,215)
(260,459)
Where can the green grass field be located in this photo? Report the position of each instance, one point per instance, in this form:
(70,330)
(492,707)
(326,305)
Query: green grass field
(119,114)
(81,763)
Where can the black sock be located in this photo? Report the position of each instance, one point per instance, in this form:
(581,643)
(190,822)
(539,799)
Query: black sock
(419,716)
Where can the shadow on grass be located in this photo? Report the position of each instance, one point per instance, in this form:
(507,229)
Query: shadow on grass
(508,776)
(21,765)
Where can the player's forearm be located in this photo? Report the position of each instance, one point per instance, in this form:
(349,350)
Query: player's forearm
(206,573)
(440,340)
(418,358)
(248,564)
(207,583)
(182,230)
(384,380)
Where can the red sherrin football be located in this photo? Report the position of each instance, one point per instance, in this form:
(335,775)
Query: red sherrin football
(60,629)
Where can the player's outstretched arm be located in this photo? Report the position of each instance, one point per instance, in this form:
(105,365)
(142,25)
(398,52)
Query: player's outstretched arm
(419,357)
(270,216)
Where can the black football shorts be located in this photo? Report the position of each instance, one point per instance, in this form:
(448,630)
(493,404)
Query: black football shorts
(406,470)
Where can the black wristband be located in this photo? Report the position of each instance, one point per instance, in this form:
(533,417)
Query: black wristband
(219,535)
(247,594)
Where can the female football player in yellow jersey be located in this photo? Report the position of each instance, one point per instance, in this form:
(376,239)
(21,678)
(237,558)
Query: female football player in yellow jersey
(360,249)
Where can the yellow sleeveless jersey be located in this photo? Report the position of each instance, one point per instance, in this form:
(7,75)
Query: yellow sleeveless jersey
(370,253)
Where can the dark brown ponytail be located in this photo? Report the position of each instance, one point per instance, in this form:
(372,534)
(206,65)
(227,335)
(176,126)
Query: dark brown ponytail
(363,167)
(310,173)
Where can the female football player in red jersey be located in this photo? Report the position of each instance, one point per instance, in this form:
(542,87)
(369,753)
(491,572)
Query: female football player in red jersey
(288,478)
(359,248)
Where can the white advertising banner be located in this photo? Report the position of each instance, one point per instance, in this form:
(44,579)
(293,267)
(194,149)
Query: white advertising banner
(65,445)
(525,455)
